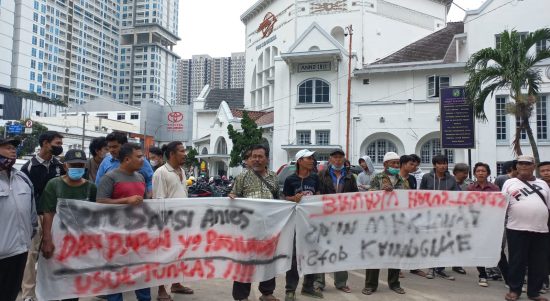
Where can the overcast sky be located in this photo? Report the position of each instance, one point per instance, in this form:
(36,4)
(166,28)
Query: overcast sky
(214,27)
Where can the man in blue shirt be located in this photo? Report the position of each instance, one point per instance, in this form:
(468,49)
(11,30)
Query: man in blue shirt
(114,141)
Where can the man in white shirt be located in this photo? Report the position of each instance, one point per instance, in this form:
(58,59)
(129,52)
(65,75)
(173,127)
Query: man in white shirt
(169,181)
(527,230)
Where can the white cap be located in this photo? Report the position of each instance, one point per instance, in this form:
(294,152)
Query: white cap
(303,153)
(390,156)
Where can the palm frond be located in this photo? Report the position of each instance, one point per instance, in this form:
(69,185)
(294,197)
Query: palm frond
(534,37)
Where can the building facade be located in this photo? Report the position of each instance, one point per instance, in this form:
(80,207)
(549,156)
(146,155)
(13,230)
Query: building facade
(149,31)
(217,73)
(298,68)
(399,108)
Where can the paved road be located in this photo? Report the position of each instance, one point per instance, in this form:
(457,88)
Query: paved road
(464,288)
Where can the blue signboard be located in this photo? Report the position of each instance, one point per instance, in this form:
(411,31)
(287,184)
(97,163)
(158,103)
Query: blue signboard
(15,129)
(457,119)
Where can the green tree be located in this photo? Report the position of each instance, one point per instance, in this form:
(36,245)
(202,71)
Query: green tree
(242,140)
(509,66)
(191,159)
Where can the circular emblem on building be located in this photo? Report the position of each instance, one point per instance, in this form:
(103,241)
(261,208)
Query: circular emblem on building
(267,25)
(175,117)
(456,93)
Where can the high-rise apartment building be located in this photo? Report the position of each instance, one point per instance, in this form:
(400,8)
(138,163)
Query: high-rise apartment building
(78,51)
(183,86)
(149,30)
(201,70)
(237,70)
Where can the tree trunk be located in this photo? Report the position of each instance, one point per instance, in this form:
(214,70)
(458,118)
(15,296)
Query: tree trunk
(516,144)
(533,143)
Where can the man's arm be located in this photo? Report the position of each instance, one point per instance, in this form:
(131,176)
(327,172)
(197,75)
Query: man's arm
(374,184)
(105,191)
(47,243)
(48,206)
(159,186)
(237,187)
(424,182)
(147,172)
(289,192)
(101,170)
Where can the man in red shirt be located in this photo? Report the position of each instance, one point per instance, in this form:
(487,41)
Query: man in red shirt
(125,185)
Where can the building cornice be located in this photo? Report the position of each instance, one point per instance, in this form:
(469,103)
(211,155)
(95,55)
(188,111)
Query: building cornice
(400,67)
(254,10)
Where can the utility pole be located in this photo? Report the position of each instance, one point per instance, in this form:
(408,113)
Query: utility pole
(348,117)
(83,129)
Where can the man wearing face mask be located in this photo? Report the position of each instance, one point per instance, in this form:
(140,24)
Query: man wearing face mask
(70,186)
(388,180)
(156,158)
(336,179)
(43,167)
(17,220)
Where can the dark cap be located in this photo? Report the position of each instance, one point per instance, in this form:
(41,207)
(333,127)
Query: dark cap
(12,141)
(337,152)
(75,156)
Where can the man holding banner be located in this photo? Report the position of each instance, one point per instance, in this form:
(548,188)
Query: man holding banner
(335,179)
(527,230)
(260,183)
(71,186)
(169,182)
(125,185)
(388,180)
(301,183)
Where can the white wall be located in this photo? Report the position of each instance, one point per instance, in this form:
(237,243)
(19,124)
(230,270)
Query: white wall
(6,41)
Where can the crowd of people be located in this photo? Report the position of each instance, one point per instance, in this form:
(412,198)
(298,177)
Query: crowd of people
(118,173)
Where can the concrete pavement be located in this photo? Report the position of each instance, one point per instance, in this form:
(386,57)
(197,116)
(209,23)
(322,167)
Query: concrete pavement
(464,288)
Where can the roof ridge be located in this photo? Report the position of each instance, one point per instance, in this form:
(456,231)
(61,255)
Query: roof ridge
(425,49)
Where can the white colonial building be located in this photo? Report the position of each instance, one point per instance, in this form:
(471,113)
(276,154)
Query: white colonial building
(402,53)
(396,99)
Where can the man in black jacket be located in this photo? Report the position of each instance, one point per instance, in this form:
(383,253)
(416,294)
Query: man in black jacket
(40,169)
(336,179)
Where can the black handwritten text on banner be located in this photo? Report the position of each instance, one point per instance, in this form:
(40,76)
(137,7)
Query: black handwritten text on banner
(101,249)
(400,229)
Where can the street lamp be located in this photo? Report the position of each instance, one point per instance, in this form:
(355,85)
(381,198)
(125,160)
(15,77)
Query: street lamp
(164,124)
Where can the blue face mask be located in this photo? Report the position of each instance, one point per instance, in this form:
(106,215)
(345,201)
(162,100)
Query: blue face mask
(76,174)
(393,171)
(337,168)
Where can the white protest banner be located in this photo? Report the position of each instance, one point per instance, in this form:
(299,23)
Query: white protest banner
(102,249)
(400,229)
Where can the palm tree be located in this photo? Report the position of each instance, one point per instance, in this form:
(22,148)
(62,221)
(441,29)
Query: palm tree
(509,66)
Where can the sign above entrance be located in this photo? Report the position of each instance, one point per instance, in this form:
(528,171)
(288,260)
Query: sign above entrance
(314,67)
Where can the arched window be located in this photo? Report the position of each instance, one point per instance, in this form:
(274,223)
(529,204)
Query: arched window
(339,34)
(222,147)
(378,148)
(433,148)
(314,48)
(204,151)
(313,91)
